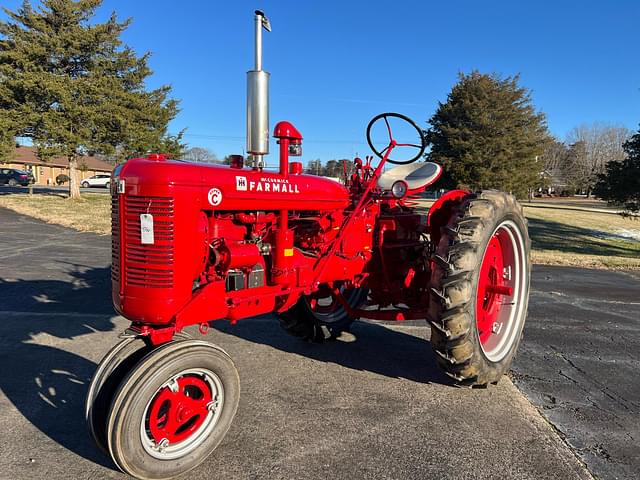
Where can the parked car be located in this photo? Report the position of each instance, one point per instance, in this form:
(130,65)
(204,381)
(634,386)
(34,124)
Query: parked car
(100,180)
(13,177)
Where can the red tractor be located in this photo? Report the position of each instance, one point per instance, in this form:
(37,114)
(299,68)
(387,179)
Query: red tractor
(197,243)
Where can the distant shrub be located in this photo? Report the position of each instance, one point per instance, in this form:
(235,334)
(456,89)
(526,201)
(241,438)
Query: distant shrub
(62,179)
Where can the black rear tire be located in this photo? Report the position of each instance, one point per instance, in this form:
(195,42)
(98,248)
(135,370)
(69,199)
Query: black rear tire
(312,325)
(474,332)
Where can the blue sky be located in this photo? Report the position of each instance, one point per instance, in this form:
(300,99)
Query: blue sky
(336,64)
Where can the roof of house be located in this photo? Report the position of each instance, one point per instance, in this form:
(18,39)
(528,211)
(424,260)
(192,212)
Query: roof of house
(27,155)
(556,177)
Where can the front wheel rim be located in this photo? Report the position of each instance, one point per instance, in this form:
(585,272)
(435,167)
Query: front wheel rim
(501,291)
(182,413)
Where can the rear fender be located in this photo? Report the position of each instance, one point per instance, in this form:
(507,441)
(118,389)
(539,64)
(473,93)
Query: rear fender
(441,211)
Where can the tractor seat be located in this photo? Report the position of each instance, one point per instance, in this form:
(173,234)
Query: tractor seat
(418,175)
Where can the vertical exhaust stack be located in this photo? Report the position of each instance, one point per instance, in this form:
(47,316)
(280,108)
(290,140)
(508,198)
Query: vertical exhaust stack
(258,99)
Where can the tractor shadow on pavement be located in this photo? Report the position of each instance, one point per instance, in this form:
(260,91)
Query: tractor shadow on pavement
(376,348)
(46,383)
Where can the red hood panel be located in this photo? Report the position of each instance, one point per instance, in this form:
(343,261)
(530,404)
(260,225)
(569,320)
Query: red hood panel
(225,188)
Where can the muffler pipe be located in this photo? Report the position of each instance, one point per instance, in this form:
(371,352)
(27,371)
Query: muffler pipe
(258,99)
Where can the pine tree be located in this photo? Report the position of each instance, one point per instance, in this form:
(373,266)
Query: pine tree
(74,88)
(7,140)
(620,184)
(488,135)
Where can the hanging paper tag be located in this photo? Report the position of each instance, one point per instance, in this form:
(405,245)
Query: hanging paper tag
(146,228)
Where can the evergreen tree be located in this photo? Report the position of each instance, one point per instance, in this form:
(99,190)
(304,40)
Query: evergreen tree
(488,135)
(336,168)
(74,88)
(620,184)
(333,168)
(7,140)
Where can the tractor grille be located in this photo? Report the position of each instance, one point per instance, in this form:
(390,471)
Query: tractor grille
(115,238)
(145,265)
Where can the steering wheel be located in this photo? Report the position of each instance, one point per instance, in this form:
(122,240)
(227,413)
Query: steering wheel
(421,147)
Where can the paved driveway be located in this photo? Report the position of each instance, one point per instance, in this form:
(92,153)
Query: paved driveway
(579,363)
(373,408)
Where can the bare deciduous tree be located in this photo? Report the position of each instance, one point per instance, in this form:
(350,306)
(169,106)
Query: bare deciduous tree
(200,154)
(554,157)
(593,147)
(315,167)
(577,168)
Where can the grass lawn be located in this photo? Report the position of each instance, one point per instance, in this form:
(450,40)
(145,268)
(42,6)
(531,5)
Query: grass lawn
(562,235)
(92,213)
(562,232)
(581,233)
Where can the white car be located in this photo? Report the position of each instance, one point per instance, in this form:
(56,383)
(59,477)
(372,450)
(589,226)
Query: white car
(103,180)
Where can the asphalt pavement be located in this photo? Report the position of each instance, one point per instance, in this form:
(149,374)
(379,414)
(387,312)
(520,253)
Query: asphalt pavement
(579,363)
(374,408)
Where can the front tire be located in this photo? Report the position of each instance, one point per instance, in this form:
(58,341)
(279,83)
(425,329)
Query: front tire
(173,409)
(480,288)
(85,184)
(113,368)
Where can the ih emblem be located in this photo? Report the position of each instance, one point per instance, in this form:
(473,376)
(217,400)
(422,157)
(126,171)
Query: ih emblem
(215,197)
(241,184)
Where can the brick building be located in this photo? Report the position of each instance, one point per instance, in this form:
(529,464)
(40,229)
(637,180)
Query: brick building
(45,172)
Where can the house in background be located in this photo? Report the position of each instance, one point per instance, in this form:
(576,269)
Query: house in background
(45,172)
(554,182)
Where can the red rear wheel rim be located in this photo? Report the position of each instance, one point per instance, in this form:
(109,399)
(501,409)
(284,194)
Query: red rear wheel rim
(500,273)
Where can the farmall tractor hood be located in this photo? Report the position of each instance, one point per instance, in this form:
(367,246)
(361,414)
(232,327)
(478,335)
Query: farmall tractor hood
(226,188)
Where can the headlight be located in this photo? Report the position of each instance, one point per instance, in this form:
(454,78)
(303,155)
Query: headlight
(399,189)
